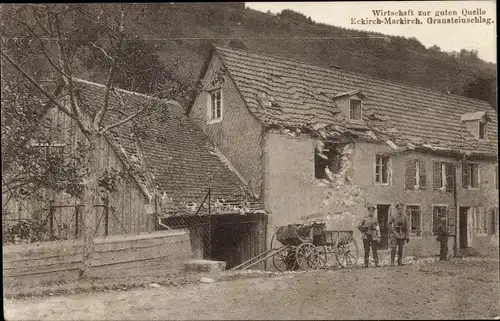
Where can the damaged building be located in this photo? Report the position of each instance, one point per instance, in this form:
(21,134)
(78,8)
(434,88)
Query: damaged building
(175,179)
(316,143)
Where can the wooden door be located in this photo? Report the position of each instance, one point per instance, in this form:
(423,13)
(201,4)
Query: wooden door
(463,227)
(383,217)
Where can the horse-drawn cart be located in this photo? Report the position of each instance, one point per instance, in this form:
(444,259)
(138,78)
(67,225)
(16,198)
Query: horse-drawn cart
(308,246)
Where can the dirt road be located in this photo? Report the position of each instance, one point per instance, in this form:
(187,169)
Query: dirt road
(451,290)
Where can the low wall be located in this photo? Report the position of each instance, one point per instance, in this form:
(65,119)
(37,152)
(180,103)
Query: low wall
(120,255)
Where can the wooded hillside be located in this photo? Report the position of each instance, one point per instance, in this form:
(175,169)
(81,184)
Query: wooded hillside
(180,35)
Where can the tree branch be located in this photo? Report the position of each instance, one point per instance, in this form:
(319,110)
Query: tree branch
(38,23)
(109,81)
(68,80)
(44,50)
(128,118)
(52,99)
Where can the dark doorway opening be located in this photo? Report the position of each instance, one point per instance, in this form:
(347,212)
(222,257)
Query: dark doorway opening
(237,238)
(463,226)
(383,217)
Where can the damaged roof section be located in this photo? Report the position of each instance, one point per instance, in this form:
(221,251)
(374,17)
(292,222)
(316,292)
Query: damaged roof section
(170,155)
(303,96)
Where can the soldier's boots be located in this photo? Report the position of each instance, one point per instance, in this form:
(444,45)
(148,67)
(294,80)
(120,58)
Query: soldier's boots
(393,255)
(367,256)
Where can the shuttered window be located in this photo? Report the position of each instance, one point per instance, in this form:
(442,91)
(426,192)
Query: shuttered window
(470,175)
(422,175)
(439,212)
(415,215)
(450,176)
(452,221)
(480,221)
(410,173)
(494,220)
(382,169)
(415,174)
(443,175)
(437,177)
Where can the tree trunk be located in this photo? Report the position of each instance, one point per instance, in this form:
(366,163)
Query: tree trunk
(89,194)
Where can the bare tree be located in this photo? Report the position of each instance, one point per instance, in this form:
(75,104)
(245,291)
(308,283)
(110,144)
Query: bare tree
(52,29)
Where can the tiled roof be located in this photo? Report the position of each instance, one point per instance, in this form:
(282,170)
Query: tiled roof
(169,153)
(289,93)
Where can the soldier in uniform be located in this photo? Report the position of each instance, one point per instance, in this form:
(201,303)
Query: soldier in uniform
(370,233)
(399,230)
(442,238)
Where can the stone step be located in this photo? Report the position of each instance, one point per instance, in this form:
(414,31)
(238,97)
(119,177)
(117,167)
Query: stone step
(205,266)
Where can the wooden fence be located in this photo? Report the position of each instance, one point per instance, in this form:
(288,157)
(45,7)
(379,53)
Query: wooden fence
(119,255)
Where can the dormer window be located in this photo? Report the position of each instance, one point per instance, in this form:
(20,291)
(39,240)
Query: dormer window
(476,123)
(482,130)
(355,109)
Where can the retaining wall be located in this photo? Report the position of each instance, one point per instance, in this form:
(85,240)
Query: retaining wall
(120,255)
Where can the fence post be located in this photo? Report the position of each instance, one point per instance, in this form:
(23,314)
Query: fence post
(106,215)
(51,222)
(77,216)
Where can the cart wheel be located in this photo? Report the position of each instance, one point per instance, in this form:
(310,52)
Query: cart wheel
(307,256)
(323,256)
(347,252)
(284,260)
(326,254)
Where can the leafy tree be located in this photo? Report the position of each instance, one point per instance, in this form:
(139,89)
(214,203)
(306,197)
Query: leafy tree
(435,49)
(49,35)
(293,16)
(484,88)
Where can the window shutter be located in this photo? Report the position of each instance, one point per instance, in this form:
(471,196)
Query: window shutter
(437,175)
(465,174)
(410,172)
(450,176)
(475,170)
(451,221)
(423,174)
(496,219)
(496,177)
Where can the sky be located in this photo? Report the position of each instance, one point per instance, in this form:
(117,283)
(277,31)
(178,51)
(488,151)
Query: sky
(448,36)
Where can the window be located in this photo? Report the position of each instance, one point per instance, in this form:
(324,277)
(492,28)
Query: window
(415,215)
(438,212)
(482,130)
(328,158)
(481,221)
(444,176)
(382,164)
(415,174)
(494,220)
(216,105)
(355,106)
(470,175)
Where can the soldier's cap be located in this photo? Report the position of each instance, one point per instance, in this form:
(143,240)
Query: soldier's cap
(400,206)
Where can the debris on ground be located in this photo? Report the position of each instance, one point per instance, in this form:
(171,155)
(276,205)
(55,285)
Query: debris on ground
(446,290)
(207,280)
